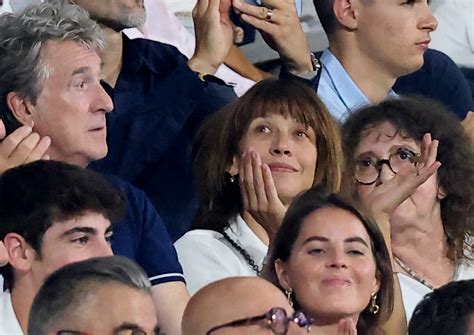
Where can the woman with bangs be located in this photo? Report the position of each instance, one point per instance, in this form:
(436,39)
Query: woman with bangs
(252,159)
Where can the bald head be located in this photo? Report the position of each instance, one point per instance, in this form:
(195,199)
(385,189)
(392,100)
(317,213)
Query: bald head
(231,299)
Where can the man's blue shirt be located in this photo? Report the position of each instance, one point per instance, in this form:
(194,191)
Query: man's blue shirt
(142,237)
(159,105)
(439,79)
(337,89)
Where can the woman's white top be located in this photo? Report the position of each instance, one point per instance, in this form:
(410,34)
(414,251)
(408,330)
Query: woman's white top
(413,291)
(206,256)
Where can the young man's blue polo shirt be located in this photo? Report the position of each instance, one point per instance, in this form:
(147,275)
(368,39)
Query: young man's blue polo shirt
(159,105)
(439,79)
(338,91)
(142,237)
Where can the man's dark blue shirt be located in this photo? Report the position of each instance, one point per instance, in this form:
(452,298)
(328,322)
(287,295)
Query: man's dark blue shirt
(439,79)
(159,105)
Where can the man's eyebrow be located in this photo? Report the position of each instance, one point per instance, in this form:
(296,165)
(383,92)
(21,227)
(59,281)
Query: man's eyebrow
(87,230)
(356,239)
(81,70)
(316,238)
(128,326)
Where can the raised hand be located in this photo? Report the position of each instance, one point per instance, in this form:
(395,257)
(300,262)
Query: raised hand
(214,35)
(386,197)
(259,193)
(21,147)
(279,24)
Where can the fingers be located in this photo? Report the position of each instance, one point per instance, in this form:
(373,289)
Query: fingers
(258,182)
(248,181)
(257,185)
(270,187)
(22,146)
(10,142)
(39,151)
(242,178)
(3,131)
(200,8)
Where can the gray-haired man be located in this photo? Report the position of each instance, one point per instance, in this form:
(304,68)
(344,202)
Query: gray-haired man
(50,84)
(107,295)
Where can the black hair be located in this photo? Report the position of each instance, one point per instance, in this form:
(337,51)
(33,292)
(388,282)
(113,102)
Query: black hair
(446,310)
(35,196)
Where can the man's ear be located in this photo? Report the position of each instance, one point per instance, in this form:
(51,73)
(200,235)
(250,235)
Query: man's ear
(20,254)
(21,108)
(282,274)
(346,13)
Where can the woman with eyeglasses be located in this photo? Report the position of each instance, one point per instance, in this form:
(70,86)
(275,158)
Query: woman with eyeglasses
(252,159)
(430,232)
(333,264)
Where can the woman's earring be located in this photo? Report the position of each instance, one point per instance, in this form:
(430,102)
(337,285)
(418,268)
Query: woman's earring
(374,308)
(289,292)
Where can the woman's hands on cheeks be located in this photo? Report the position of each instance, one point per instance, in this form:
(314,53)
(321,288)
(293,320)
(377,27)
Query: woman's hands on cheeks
(259,193)
(386,197)
(282,32)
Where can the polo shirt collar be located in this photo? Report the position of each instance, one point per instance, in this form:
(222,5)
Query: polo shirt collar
(240,232)
(347,89)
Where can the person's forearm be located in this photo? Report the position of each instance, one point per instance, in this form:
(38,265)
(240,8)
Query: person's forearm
(238,62)
(170,301)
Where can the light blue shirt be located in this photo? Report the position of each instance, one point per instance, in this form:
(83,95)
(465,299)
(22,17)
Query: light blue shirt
(337,89)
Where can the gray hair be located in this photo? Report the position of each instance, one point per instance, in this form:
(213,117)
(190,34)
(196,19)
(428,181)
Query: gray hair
(23,37)
(68,286)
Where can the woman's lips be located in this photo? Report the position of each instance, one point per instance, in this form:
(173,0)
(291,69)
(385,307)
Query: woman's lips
(337,281)
(282,167)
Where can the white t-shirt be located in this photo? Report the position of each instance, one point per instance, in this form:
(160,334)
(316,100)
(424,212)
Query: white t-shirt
(206,256)
(413,291)
(455,33)
(9,324)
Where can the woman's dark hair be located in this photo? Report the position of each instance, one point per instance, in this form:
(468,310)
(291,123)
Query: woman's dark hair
(413,117)
(282,247)
(219,141)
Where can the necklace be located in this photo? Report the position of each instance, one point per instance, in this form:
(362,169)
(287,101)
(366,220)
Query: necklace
(244,253)
(412,273)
